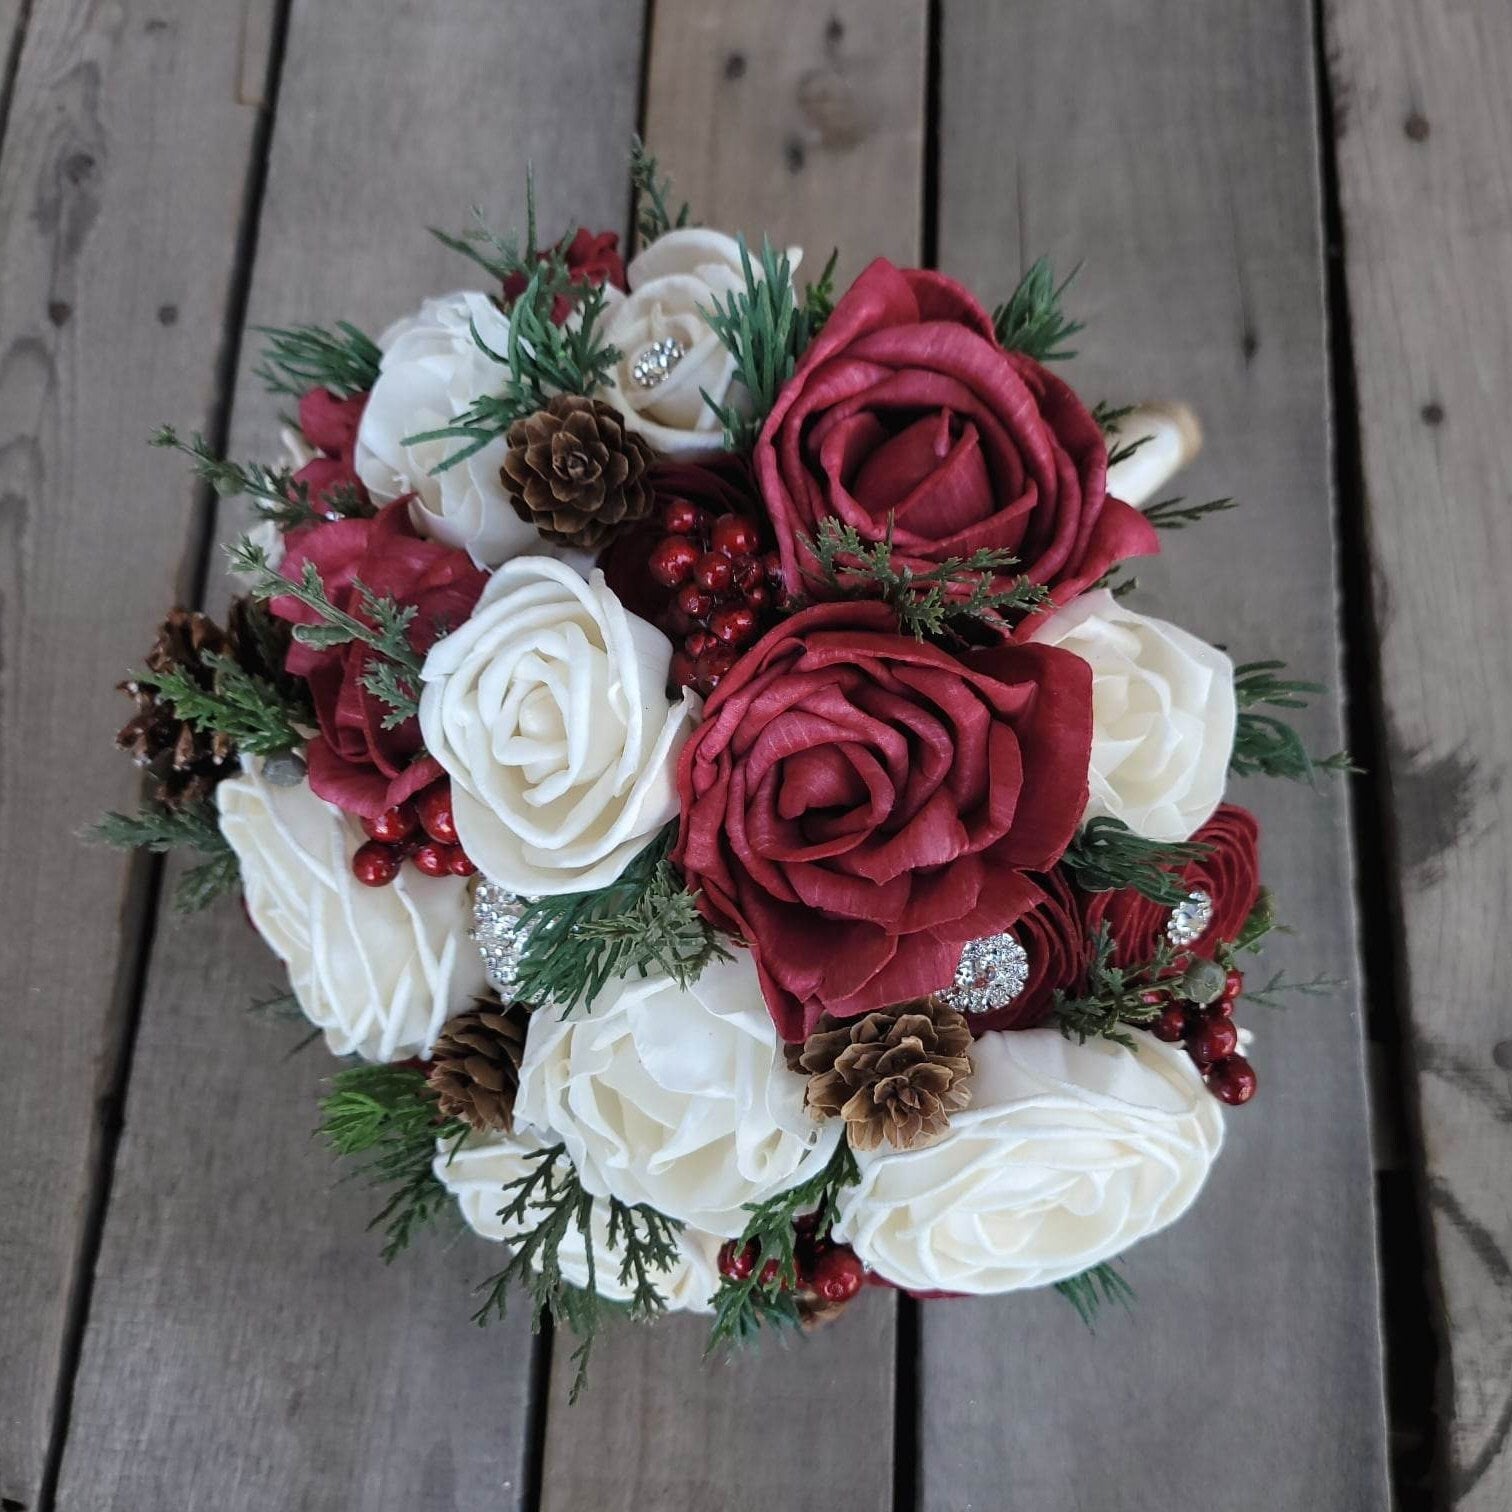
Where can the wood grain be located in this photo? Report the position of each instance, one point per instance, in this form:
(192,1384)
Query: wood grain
(247,1347)
(1424,144)
(121,186)
(671,1430)
(1174,148)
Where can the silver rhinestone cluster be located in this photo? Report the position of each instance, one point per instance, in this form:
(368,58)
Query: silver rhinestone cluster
(658,359)
(1189,919)
(497,933)
(991,974)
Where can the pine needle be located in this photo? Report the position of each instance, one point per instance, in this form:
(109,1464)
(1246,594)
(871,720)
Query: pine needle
(300,358)
(1108,856)
(1266,745)
(654,216)
(191,826)
(1032,321)
(1089,1291)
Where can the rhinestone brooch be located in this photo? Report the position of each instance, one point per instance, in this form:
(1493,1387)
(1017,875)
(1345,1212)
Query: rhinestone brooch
(991,974)
(497,934)
(1189,919)
(658,359)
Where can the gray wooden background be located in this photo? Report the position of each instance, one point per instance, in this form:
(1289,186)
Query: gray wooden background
(1297,216)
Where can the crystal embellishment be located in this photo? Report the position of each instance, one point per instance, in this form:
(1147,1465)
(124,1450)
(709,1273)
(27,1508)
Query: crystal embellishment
(497,933)
(991,974)
(1189,919)
(658,359)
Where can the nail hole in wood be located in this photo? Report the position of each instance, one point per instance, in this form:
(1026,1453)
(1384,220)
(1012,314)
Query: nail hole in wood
(794,155)
(834,33)
(58,312)
(1416,127)
(1433,414)
(1249,344)
(735,66)
(78,167)
(168,314)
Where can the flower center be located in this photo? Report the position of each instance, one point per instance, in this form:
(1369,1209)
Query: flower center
(650,369)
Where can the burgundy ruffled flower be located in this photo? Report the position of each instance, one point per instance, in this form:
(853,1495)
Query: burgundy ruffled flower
(858,804)
(592,258)
(905,406)
(1229,874)
(330,425)
(354,762)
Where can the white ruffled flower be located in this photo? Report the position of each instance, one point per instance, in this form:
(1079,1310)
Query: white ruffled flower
(548,709)
(1163,715)
(680,1098)
(671,282)
(379,969)
(432,370)
(479,1170)
(1066,1155)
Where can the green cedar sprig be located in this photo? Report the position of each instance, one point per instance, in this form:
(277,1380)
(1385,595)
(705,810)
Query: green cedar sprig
(1271,993)
(1032,321)
(576,943)
(190,826)
(819,298)
(1265,745)
(255,715)
(1089,1291)
(929,602)
(300,358)
(387,1115)
(546,1204)
(1177,514)
(1110,418)
(1113,997)
(743,1308)
(1107,856)
(653,214)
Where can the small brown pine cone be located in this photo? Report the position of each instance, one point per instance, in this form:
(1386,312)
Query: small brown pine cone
(475,1070)
(187,763)
(896,1074)
(576,473)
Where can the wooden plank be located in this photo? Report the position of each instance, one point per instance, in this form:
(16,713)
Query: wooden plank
(1423,136)
(12,28)
(668,1432)
(1174,147)
(121,185)
(246,1345)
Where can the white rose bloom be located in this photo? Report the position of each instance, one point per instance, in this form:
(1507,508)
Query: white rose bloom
(1163,715)
(1066,1155)
(476,1175)
(548,709)
(379,969)
(432,370)
(680,1098)
(671,282)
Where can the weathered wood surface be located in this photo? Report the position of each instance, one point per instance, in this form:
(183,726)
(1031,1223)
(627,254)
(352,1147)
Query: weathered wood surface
(121,187)
(1424,141)
(1174,148)
(246,1347)
(670,1430)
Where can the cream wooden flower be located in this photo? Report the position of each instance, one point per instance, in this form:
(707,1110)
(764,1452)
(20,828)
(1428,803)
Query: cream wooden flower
(548,708)
(680,1098)
(378,969)
(1067,1155)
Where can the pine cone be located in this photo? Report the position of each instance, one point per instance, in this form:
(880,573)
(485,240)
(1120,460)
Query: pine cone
(260,643)
(898,1073)
(186,763)
(475,1069)
(575,473)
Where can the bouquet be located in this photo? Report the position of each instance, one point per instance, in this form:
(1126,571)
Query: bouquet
(688,739)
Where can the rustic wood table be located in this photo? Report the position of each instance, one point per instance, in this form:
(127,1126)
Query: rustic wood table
(1300,222)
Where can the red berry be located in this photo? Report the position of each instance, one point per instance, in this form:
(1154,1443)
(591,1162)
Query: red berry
(837,1275)
(1171,1024)
(1232,1080)
(393,824)
(433,858)
(736,1261)
(694,601)
(1212,1038)
(711,667)
(734,536)
(700,643)
(772,564)
(671,561)
(681,673)
(758,597)
(748,573)
(1233,984)
(375,864)
(434,806)
(770,1272)
(460,864)
(733,626)
(681,517)
(713,571)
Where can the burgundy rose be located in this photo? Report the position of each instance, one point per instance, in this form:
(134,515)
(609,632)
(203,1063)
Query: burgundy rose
(1056,942)
(330,425)
(905,407)
(858,804)
(355,762)
(592,258)
(1229,875)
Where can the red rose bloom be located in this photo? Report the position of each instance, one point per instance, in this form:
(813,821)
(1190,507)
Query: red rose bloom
(330,425)
(1056,942)
(905,406)
(591,259)
(858,804)
(354,762)
(1229,874)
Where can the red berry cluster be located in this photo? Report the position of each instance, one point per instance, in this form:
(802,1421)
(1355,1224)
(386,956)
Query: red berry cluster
(420,830)
(1211,1038)
(724,588)
(828,1272)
